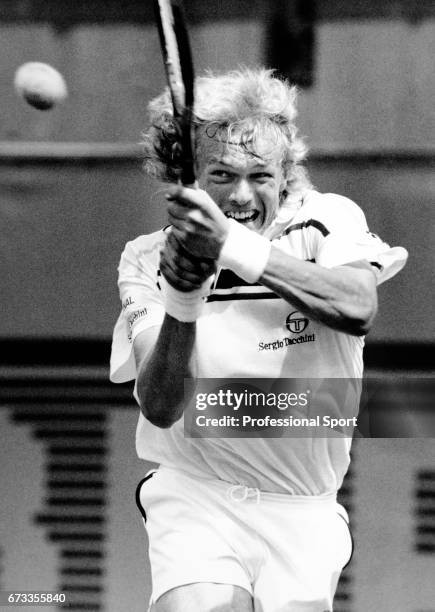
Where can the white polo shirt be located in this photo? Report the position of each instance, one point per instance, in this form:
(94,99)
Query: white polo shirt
(247,331)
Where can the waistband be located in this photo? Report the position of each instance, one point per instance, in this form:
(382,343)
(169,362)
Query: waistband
(239,493)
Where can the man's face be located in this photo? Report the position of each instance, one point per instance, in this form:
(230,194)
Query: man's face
(246,188)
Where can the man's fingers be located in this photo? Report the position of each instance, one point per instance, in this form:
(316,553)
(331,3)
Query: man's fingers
(199,224)
(186,196)
(176,282)
(180,255)
(182,224)
(179,235)
(202,267)
(180,279)
(183,265)
(177,211)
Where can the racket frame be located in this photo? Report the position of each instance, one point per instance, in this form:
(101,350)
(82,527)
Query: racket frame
(177,59)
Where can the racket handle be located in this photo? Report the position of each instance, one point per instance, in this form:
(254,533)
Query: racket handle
(193,185)
(187,177)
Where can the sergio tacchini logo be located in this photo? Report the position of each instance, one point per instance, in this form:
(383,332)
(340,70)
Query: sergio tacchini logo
(296,322)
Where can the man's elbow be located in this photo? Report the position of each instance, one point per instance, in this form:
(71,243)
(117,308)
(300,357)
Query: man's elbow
(363,320)
(361,327)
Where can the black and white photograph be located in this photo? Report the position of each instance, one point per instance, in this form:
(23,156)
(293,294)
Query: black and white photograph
(217,373)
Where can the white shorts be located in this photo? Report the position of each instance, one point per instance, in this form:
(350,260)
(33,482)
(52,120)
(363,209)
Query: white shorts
(287,551)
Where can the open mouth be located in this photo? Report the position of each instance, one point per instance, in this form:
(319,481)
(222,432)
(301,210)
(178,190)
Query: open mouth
(242,216)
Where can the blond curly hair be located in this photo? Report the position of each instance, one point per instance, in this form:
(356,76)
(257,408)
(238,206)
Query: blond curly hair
(240,108)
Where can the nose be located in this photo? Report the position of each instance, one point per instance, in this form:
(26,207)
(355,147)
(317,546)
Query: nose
(242,193)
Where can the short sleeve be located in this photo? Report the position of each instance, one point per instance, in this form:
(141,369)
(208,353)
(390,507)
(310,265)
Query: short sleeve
(141,302)
(340,235)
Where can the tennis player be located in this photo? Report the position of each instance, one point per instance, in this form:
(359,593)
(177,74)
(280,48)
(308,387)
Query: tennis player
(258,275)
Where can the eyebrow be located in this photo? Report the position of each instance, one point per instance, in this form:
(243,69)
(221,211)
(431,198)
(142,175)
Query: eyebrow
(220,160)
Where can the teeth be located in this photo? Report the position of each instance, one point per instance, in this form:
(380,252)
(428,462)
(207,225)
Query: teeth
(233,214)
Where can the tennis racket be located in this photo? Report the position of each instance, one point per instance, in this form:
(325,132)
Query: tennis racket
(177,58)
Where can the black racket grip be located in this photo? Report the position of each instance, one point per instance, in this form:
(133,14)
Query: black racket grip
(187,176)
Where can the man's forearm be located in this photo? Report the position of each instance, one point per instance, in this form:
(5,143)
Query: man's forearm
(160,382)
(343,298)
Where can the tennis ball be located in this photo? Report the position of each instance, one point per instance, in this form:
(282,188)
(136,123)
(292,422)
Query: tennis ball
(41,85)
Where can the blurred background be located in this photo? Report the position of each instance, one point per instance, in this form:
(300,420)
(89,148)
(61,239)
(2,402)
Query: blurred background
(72,192)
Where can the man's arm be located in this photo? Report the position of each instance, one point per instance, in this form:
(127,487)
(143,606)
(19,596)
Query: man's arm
(164,354)
(163,357)
(343,298)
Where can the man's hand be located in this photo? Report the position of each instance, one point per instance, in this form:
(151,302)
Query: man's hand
(181,270)
(199,226)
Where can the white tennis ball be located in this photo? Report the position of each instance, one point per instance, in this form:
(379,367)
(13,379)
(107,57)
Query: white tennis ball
(41,85)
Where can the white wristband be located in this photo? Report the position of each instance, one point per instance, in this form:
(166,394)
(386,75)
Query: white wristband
(186,306)
(245,252)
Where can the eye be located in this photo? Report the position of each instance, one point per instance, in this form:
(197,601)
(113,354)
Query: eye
(262,176)
(221,175)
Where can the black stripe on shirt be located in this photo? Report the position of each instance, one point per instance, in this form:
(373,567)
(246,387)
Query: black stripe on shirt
(309,223)
(226,297)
